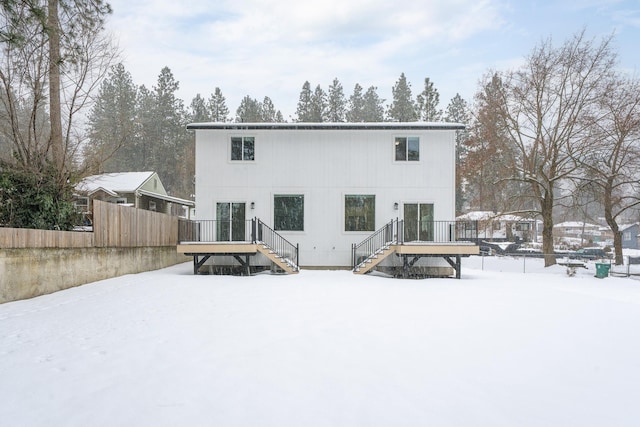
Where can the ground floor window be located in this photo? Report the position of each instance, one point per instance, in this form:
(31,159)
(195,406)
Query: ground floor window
(359,212)
(230,222)
(288,212)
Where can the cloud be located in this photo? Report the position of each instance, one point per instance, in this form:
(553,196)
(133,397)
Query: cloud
(270,47)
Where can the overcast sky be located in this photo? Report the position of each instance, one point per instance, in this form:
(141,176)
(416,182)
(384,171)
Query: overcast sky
(271,47)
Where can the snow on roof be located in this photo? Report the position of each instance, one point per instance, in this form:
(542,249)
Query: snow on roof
(623,227)
(329,126)
(576,224)
(489,215)
(477,216)
(122,182)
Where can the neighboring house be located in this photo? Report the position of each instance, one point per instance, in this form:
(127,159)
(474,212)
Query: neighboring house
(503,227)
(142,190)
(630,236)
(582,231)
(326,187)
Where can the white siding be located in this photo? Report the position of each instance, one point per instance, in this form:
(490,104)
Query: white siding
(324,165)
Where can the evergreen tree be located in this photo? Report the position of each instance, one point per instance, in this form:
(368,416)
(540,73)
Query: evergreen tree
(147,131)
(402,108)
(199,111)
(373,106)
(488,158)
(217,106)
(337,103)
(427,103)
(249,111)
(319,105)
(355,111)
(269,113)
(303,112)
(458,112)
(172,139)
(112,127)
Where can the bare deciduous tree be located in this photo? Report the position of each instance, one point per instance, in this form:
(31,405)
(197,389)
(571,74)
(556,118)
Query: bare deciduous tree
(613,165)
(545,108)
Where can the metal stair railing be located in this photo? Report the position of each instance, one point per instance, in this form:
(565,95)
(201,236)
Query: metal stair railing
(376,243)
(287,251)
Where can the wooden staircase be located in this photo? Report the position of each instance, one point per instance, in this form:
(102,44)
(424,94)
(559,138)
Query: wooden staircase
(369,263)
(279,260)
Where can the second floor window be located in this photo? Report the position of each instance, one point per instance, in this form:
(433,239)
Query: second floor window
(243,148)
(407,148)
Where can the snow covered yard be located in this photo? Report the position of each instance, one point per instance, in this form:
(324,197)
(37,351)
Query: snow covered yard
(326,348)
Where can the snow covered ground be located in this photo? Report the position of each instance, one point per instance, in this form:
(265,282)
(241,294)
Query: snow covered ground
(327,348)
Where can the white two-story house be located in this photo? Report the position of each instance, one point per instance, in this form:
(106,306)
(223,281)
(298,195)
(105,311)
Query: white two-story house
(324,187)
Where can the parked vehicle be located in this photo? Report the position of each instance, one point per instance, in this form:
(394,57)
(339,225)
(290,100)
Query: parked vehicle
(590,253)
(486,251)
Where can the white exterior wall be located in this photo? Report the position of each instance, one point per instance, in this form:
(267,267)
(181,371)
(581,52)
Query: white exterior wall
(324,165)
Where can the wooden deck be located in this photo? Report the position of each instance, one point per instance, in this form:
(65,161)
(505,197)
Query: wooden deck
(426,248)
(190,248)
(412,252)
(240,251)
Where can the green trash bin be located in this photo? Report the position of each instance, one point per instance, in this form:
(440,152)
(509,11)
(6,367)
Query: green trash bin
(602,270)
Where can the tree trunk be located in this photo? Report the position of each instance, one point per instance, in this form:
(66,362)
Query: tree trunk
(56,140)
(612,223)
(547,229)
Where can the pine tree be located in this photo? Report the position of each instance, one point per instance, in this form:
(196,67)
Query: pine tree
(112,127)
(458,112)
(303,112)
(269,113)
(199,111)
(336,103)
(217,106)
(249,111)
(171,146)
(402,108)
(319,105)
(148,132)
(488,158)
(427,103)
(355,111)
(373,108)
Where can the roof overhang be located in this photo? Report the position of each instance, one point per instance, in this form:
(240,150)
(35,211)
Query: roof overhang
(105,190)
(177,200)
(328,126)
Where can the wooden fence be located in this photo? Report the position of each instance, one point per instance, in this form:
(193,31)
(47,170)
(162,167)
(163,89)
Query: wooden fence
(113,226)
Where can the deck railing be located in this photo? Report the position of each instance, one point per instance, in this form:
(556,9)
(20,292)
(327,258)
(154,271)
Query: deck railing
(247,231)
(401,232)
(438,231)
(216,231)
(278,244)
(382,238)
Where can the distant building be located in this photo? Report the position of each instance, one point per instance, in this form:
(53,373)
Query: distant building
(630,236)
(142,190)
(582,231)
(494,226)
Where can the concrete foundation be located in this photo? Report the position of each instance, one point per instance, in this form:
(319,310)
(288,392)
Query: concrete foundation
(27,273)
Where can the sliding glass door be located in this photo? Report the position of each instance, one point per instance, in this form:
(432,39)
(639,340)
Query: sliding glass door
(418,222)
